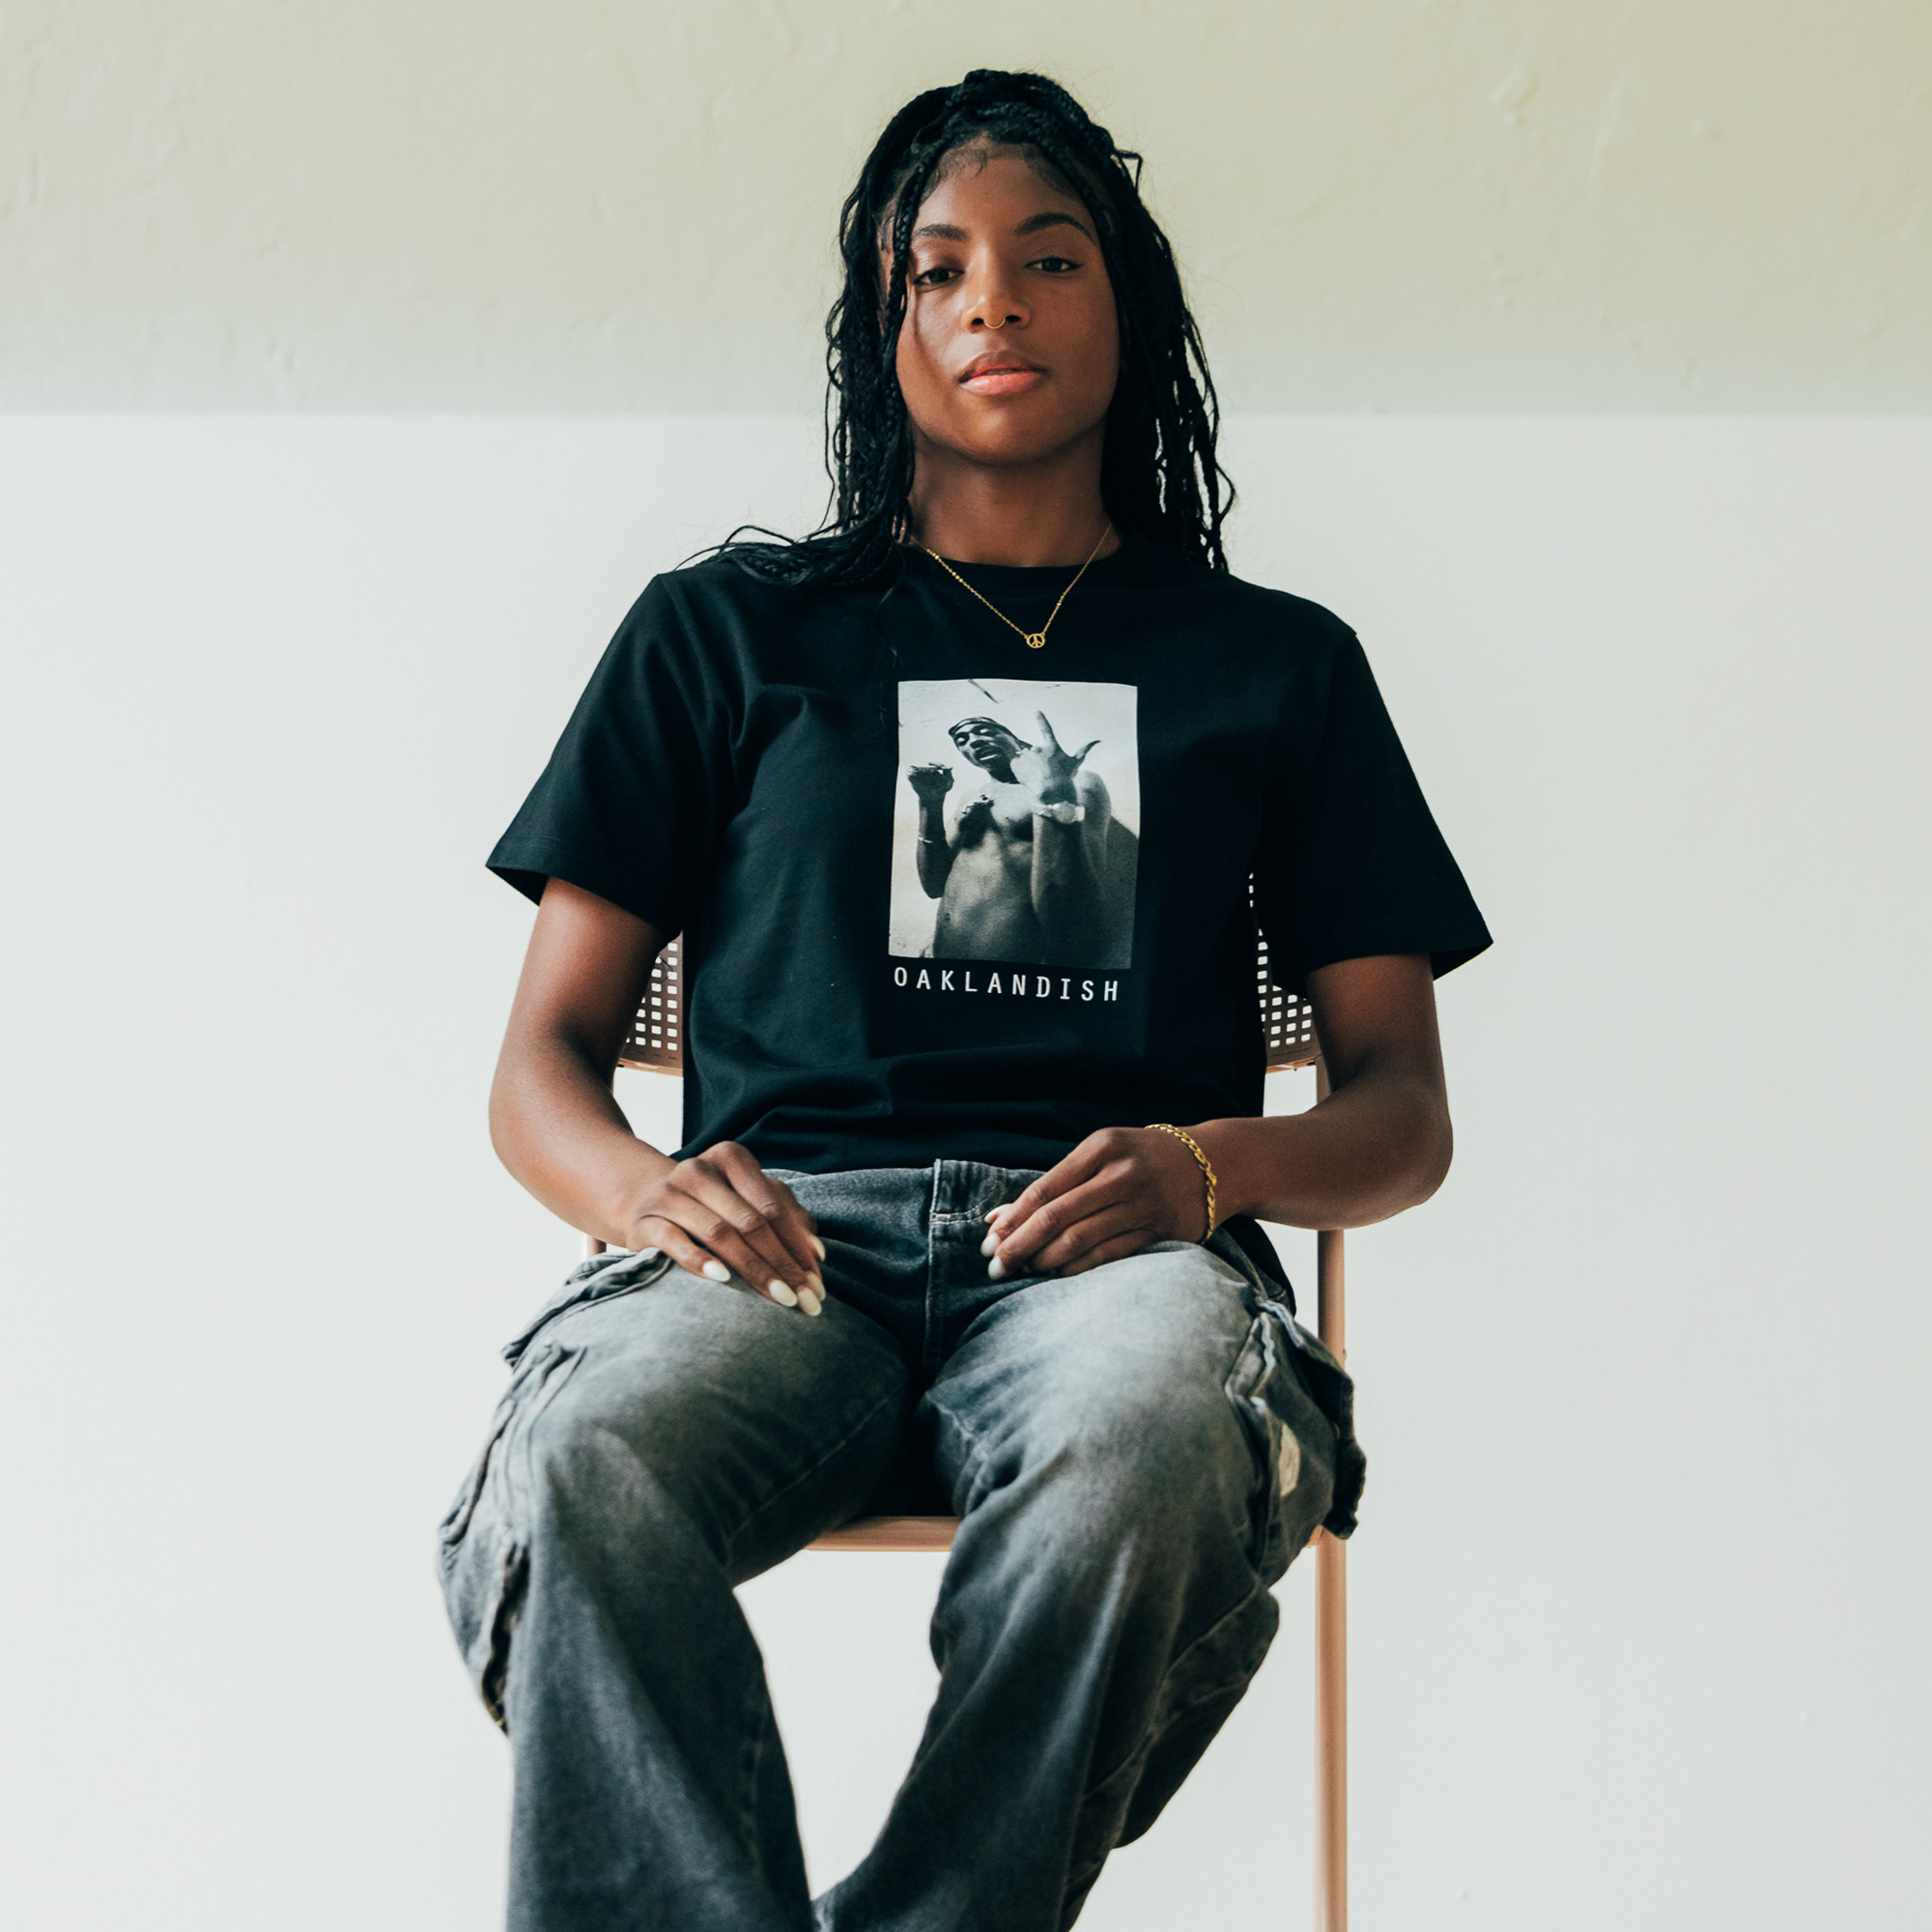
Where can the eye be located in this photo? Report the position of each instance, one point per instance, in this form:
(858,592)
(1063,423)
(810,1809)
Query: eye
(1055,264)
(933,278)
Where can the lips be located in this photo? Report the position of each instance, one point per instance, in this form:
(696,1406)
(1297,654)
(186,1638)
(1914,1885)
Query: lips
(1001,373)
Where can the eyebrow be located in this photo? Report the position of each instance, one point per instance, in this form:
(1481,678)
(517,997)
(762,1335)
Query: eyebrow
(1052,217)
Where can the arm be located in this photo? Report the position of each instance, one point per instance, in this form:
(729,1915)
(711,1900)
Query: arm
(1068,866)
(558,1127)
(931,783)
(1379,1143)
(1067,859)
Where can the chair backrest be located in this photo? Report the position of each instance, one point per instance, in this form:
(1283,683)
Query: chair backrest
(656,1044)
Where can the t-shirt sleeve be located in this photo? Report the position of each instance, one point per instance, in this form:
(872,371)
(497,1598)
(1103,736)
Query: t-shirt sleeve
(631,803)
(1351,865)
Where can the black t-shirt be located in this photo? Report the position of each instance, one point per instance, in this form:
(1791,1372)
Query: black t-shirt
(944,896)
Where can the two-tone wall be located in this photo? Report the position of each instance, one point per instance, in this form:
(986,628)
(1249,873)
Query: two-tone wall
(365,360)
(628,204)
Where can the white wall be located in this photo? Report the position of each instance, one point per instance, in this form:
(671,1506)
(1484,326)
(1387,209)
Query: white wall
(1639,1595)
(605,205)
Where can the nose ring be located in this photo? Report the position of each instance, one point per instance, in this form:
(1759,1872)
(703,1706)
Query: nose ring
(1001,323)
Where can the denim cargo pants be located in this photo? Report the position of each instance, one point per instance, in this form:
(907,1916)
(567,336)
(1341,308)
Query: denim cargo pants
(1136,1454)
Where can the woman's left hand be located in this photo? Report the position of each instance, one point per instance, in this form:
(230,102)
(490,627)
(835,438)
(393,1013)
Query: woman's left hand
(1119,1191)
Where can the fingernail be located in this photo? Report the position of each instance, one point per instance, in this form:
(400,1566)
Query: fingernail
(716,1271)
(818,1286)
(810,1302)
(817,1246)
(991,1243)
(782,1295)
(996,1268)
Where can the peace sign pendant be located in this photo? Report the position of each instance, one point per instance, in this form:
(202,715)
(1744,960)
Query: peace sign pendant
(1036,640)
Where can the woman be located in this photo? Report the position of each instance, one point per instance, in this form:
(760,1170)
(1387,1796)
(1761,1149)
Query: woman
(969,1235)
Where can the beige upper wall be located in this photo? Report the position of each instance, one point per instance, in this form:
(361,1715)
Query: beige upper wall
(1485,205)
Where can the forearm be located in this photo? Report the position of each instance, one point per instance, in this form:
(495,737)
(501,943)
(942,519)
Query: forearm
(1380,1145)
(1066,881)
(935,854)
(558,1127)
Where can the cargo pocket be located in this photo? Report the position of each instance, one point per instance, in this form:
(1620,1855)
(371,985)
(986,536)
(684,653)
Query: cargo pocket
(595,1279)
(485,1538)
(483,1542)
(1293,1440)
(1332,1390)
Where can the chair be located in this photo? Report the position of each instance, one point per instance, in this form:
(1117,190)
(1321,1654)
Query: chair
(656,1045)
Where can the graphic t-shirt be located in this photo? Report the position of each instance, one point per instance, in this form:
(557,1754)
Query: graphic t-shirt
(945,897)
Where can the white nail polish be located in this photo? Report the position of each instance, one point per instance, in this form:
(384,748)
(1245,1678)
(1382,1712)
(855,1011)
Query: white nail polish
(991,1243)
(716,1271)
(810,1302)
(817,1247)
(818,1286)
(996,1268)
(782,1295)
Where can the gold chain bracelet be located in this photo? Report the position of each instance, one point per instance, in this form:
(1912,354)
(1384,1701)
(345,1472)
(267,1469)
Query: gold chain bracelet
(1193,1147)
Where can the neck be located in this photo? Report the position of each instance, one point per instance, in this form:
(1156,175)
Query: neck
(1031,515)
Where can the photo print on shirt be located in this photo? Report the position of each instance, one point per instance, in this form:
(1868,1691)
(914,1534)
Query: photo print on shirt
(1017,825)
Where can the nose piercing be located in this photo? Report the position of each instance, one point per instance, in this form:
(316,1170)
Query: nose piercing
(1001,323)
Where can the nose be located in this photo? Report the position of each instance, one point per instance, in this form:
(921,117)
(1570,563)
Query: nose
(995,306)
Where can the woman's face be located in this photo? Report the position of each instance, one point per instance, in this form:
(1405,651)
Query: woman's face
(1011,348)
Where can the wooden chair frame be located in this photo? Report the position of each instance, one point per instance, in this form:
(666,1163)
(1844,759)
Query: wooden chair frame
(656,1045)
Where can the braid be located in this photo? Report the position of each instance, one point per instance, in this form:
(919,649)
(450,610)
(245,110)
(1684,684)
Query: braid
(1159,476)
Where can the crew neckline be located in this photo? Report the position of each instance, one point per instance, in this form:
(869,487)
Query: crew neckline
(1040,580)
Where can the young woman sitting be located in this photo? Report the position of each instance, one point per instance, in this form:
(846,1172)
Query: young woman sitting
(967,808)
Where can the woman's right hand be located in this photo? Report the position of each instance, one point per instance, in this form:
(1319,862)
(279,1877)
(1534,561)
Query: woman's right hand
(720,1213)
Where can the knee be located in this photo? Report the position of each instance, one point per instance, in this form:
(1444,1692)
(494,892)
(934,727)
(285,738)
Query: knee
(603,1462)
(1165,1464)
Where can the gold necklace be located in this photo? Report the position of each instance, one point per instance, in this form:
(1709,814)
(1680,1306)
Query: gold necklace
(1035,639)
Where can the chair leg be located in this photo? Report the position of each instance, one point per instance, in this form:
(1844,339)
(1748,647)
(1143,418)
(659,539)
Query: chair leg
(1331,1735)
(592,1247)
(1331,1651)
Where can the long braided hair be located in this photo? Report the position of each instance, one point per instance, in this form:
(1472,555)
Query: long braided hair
(1158,475)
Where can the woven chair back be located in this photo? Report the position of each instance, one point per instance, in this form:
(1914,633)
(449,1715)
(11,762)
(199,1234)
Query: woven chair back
(656,1044)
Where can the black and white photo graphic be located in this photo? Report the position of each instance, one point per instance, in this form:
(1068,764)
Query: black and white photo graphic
(1016,830)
